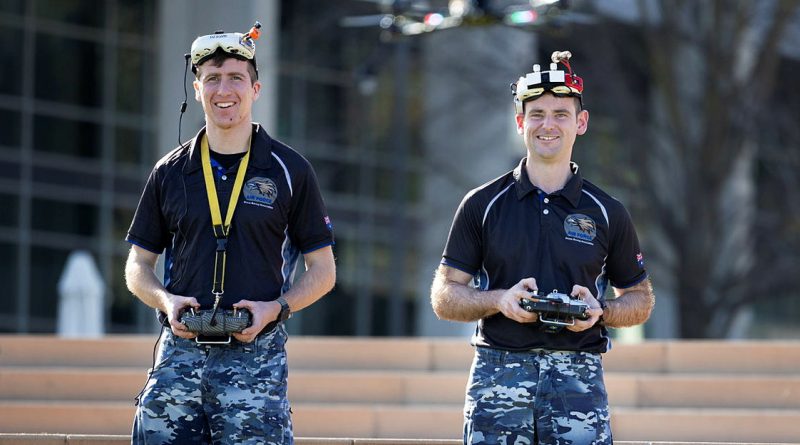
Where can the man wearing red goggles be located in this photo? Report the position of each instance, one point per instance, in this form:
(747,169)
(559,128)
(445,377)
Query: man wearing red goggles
(537,376)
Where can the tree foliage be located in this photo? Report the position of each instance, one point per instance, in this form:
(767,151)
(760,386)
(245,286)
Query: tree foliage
(704,125)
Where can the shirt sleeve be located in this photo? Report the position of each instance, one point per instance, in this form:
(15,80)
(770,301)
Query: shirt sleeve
(464,247)
(149,229)
(625,260)
(310,227)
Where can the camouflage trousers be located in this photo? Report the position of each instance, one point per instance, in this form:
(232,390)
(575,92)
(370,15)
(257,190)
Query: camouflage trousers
(220,394)
(536,397)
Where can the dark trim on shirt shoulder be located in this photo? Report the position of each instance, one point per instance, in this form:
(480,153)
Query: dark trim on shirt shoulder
(449,262)
(142,245)
(636,281)
(317,247)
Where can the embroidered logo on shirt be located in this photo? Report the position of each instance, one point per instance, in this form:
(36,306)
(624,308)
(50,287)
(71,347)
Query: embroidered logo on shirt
(580,228)
(260,191)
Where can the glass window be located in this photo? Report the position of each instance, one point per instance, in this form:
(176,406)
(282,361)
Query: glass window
(123,304)
(47,265)
(122,222)
(320,121)
(132,73)
(77,12)
(69,70)
(8,276)
(56,176)
(136,16)
(10,170)
(337,176)
(385,183)
(12,123)
(332,315)
(11,6)
(130,186)
(64,217)
(11,55)
(128,148)
(382,312)
(8,213)
(57,135)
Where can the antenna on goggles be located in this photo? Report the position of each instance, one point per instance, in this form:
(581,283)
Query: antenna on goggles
(255,32)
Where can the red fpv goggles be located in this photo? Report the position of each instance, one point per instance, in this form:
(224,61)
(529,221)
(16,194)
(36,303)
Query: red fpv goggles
(561,83)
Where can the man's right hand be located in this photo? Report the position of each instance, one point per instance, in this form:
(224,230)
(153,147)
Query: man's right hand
(173,306)
(509,301)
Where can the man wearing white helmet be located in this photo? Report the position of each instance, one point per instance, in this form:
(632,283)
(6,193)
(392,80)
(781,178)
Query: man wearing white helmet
(233,210)
(541,245)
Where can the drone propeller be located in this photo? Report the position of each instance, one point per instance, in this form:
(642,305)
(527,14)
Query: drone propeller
(412,17)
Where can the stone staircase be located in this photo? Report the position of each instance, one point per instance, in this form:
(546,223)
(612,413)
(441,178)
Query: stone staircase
(413,388)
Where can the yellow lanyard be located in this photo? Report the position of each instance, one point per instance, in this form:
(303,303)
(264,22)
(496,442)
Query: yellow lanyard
(221,230)
(211,190)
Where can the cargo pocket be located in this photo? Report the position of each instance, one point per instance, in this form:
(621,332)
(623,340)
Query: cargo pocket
(277,424)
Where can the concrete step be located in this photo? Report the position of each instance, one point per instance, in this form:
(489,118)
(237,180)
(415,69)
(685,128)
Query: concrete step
(415,387)
(703,391)
(429,354)
(86,439)
(706,425)
(706,356)
(431,421)
(45,350)
(123,384)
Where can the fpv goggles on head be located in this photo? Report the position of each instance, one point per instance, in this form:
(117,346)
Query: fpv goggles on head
(560,83)
(204,47)
(235,43)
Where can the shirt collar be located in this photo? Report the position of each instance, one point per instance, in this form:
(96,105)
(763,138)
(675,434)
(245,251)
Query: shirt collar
(571,191)
(260,154)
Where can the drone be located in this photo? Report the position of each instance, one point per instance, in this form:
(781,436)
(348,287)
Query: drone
(413,17)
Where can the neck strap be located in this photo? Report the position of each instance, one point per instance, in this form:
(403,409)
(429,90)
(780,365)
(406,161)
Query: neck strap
(221,229)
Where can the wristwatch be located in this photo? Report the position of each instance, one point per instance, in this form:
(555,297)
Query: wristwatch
(285,312)
(603,306)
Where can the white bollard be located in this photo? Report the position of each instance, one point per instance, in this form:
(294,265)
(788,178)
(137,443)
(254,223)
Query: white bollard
(80,289)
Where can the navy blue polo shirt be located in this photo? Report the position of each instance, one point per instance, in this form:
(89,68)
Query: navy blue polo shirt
(280,215)
(507,230)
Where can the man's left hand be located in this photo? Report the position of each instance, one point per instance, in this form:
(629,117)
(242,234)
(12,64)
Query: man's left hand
(594,310)
(263,312)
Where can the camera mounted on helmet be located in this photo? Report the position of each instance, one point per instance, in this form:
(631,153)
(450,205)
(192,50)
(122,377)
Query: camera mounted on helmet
(559,82)
(237,44)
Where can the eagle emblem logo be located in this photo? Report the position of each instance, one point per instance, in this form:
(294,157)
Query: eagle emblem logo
(580,227)
(261,190)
